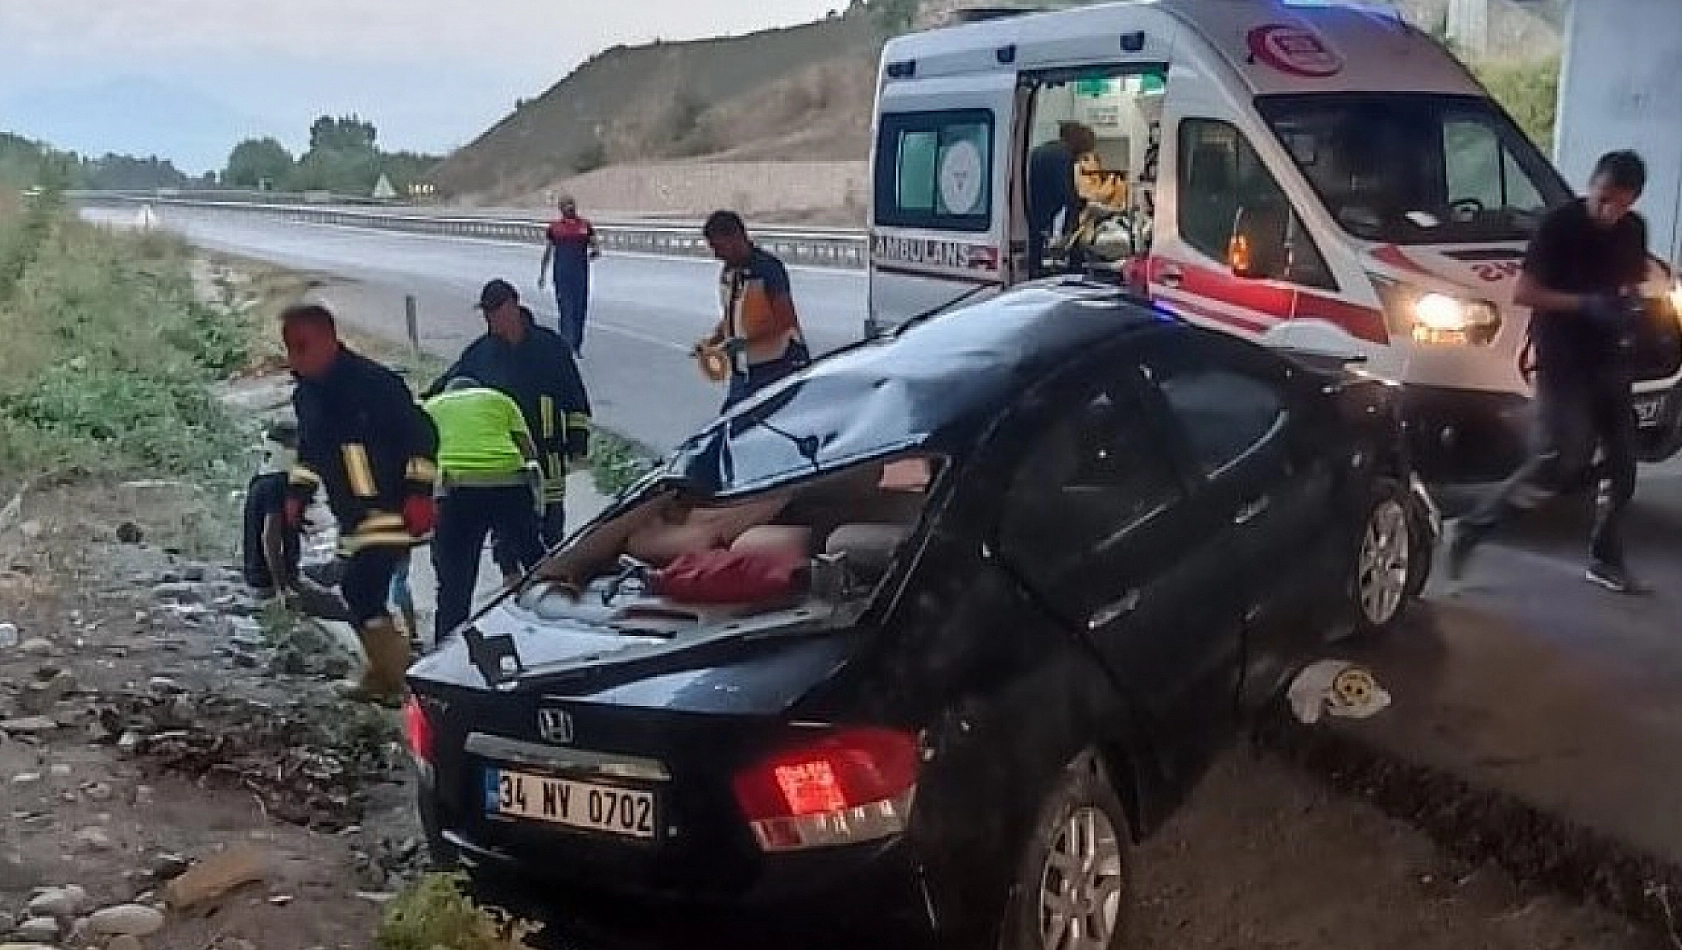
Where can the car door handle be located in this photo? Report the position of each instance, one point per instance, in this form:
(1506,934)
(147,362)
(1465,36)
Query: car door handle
(1170,276)
(1249,512)
(1111,612)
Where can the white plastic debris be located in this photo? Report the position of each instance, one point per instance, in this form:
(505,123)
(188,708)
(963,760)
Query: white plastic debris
(1343,689)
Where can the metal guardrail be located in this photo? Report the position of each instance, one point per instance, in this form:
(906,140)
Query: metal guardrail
(825,247)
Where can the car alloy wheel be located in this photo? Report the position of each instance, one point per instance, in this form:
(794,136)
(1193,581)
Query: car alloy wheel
(1082,883)
(1384,562)
(1071,888)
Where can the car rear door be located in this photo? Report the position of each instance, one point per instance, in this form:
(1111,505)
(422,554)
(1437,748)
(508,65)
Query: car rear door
(1095,519)
(1261,498)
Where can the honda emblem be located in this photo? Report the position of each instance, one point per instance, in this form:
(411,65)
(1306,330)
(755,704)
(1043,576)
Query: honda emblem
(554,725)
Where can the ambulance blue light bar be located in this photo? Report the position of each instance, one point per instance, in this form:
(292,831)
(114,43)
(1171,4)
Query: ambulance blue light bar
(1374,8)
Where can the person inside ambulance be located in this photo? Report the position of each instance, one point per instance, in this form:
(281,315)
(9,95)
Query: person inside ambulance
(1053,191)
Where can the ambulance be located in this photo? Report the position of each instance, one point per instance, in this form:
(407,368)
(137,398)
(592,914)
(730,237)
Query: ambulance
(1313,175)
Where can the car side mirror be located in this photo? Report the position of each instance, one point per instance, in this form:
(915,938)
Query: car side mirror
(1258,249)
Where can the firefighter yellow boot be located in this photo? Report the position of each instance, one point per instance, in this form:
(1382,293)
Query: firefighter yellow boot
(387,650)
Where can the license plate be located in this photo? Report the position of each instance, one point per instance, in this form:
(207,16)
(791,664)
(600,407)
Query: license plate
(1649,410)
(605,808)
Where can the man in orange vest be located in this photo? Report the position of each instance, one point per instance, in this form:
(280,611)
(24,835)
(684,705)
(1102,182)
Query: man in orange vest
(759,330)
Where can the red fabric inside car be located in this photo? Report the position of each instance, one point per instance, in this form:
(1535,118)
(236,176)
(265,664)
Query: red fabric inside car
(729,577)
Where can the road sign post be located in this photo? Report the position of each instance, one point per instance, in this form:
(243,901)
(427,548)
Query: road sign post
(411,320)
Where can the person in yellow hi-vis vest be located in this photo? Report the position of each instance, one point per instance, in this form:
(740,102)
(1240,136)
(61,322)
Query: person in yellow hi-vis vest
(487,463)
(532,365)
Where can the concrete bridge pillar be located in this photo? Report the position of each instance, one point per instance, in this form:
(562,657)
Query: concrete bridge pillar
(1621,87)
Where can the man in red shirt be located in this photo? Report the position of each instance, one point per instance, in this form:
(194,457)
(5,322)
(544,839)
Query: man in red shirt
(571,246)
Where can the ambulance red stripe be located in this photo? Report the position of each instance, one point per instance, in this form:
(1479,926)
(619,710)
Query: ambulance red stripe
(1272,300)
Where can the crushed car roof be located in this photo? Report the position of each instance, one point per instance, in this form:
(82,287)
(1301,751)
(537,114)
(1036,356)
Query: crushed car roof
(934,386)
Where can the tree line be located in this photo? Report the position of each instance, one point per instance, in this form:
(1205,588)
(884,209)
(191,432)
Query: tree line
(26,163)
(344,157)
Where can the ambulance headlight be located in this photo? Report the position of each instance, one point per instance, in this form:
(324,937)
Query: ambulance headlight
(1439,318)
(1435,319)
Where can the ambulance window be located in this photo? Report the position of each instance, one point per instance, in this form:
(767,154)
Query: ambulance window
(1482,174)
(1219,173)
(935,169)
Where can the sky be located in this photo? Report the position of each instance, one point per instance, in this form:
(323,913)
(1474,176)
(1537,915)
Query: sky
(185,79)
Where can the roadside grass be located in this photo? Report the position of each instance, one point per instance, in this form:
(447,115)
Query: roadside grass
(435,912)
(108,357)
(616,462)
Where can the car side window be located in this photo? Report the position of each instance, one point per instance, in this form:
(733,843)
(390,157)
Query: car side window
(1094,475)
(1223,413)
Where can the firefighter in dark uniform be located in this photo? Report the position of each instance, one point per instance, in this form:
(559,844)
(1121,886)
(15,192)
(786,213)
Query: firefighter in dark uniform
(535,367)
(362,438)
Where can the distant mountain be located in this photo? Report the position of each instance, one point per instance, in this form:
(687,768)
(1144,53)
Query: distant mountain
(134,117)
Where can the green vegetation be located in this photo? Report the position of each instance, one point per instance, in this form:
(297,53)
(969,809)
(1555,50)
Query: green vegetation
(344,157)
(617,462)
(108,354)
(258,163)
(1528,91)
(28,164)
(893,17)
(435,912)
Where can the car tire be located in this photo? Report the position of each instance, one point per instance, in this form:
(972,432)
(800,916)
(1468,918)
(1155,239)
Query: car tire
(1073,884)
(1390,561)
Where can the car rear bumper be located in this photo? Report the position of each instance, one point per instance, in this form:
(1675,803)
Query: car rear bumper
(874,889)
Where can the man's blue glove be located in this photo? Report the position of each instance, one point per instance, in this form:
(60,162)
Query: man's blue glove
(1615,311)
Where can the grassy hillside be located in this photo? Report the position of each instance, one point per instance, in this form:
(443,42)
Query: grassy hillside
(805,94)
(799,88)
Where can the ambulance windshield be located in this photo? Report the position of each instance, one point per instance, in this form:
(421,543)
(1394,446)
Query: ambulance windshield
(1413,168)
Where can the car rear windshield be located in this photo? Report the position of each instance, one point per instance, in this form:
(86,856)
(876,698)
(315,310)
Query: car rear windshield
(1416,168)
(863,513)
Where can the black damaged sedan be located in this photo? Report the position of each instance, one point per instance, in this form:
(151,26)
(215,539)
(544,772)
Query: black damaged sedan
(1005,582)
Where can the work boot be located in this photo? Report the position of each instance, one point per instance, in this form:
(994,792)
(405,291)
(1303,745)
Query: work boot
(387,650)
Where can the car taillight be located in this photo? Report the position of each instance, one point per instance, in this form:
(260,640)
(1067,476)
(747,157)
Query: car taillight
(845,787)
(418,731)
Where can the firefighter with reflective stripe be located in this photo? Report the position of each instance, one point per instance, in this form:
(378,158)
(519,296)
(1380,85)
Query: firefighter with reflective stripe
(534,367)
(364,440)
(487,464)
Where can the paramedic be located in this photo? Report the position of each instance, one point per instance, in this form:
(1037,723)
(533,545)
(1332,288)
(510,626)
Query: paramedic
(570,245)
(362,438)
(1052,189)
(759,329)
(1581,282)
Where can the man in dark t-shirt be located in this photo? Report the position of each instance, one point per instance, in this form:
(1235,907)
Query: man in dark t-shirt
(1581,281)
(271,549)
(570,246)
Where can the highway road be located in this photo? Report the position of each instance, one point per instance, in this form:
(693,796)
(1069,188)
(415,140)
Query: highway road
(645,313)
